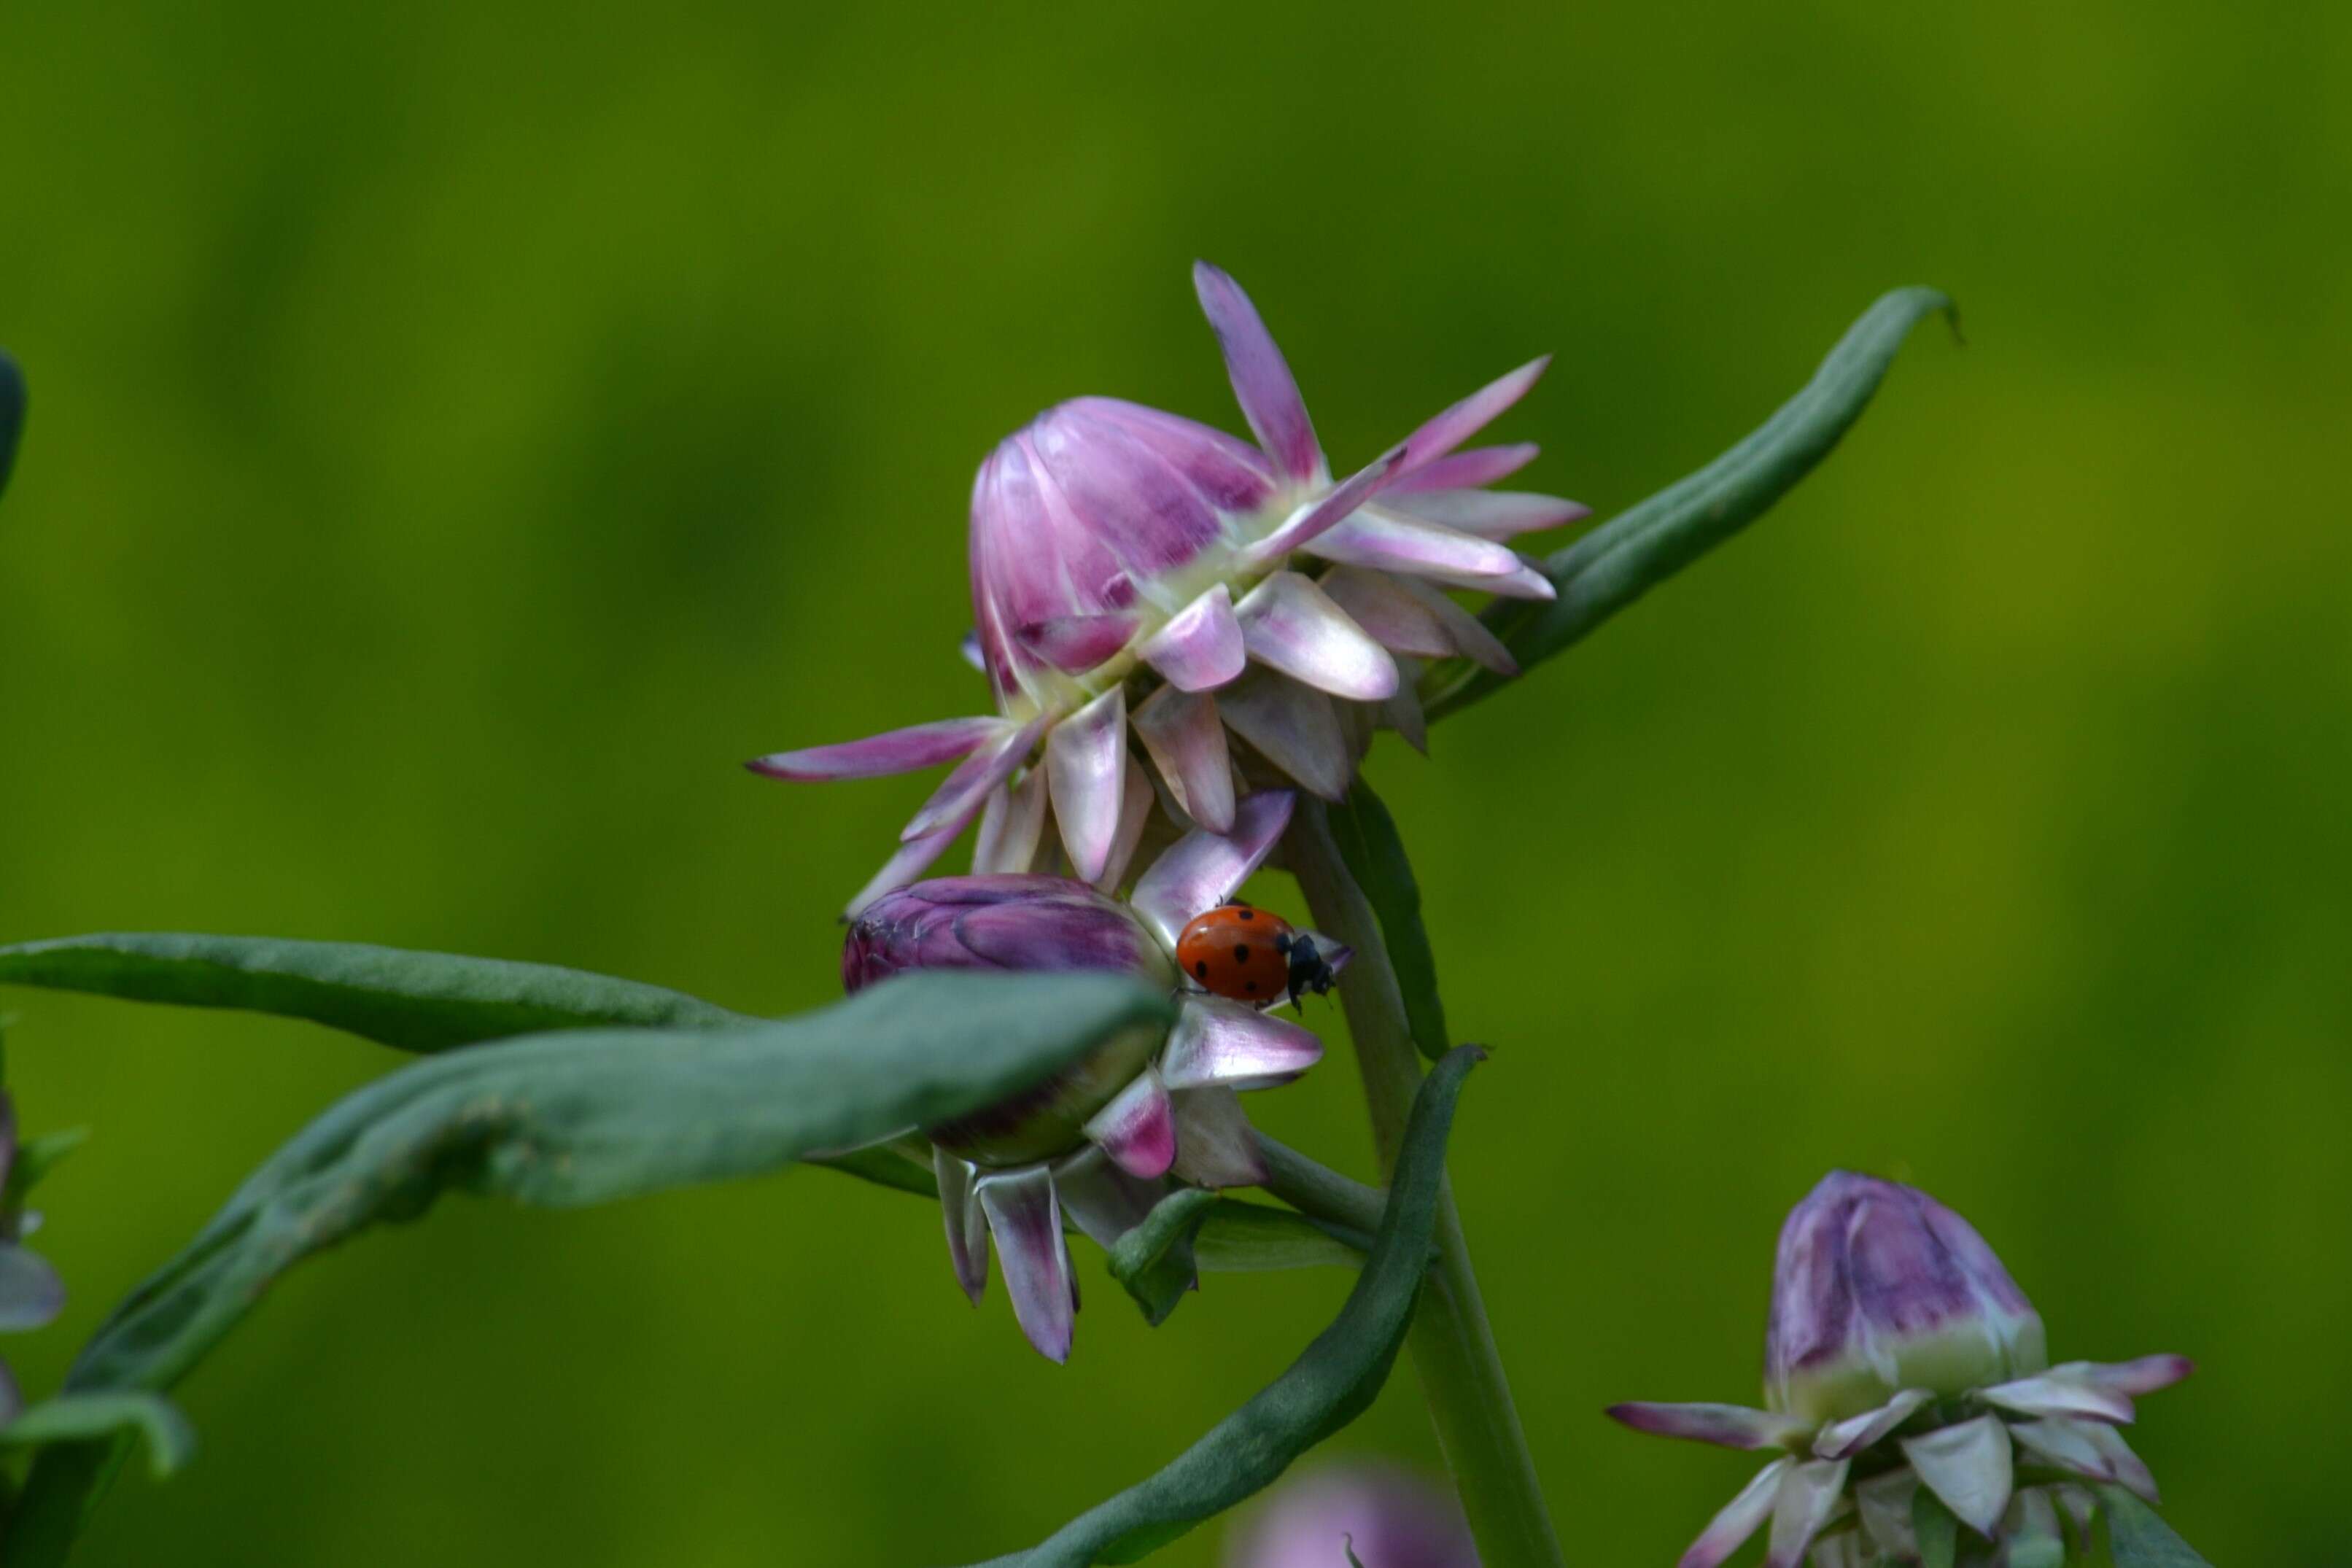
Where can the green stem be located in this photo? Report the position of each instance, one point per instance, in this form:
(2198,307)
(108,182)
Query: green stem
(1318,1190)
(1452,1347)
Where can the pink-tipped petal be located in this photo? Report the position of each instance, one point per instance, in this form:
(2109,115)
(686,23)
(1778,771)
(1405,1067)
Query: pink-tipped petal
(1214,1144)
(1134,812)
(1200,870)
(1969,1467)
(1809,1495)
(2050,1394)
(1467,471)
(2133,1378)
(1843,1439)
(1490,514)
(1076,644)
(1011,826)
(1725,1426)
(1729,1530)
(967,1227)
(897,751)
(1392,542)
(1186,740)
(1199,649)
(1311,522)
(1470,415)
(1528,582)
(1086,768)
(1104,1201)
(1221,1041)
(1263,383)
(1290,625)
(961,797)
(1293,726)
(1025,1218)
(1138,1128)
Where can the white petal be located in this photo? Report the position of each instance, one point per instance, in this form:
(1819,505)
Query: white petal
(1199,649)
(1290,625)
(1086,766)
(1729,1530)
(1134,811)
(2051,1394)
(1809,1495)
(1884,1502)
(1489,514)
(1293,726)
(1200,870)
(1186,739)
(1969,1467)
(1221,1041)
(1025,1218)
(1214,1144)
(1855,1433)
(1011,826)
(1104,1201)
(967,1229)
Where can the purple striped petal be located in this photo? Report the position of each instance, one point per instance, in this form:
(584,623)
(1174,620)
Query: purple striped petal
(1103,1200)
(1725,1426)
(1289,625)
(1396,543)
(967,1227)
(1729,1530)
(1025,1218)
(2051,1394)
(1129,499)
(1085,767)
(1808,1494)
(1138,1128)
(1262,381)
(1312,520)
(1231,475)
(1011,826)
(1969,1467)
(1472,415)
(1468,469)
(1186,740)
(1134,811)
(1199,649)
(1490,514)
(1850,1436)
(1293,726)
(1221,1041)
(913,858)
(1200,870)
(897,751)
(1214,1144)
(1076,644)
(961,797)
(2145,1376)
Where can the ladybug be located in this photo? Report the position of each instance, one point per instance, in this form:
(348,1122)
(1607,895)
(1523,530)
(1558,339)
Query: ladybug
(1252,956)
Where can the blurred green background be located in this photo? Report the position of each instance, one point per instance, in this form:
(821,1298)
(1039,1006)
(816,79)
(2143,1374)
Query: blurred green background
(461,434)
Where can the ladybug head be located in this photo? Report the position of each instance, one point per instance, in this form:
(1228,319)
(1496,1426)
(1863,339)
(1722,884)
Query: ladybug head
(1310,971)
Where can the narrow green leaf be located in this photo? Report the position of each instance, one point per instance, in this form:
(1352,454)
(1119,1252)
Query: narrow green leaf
(1153,1262)
(35,1158)
(76,1417)
(2138,1536)
(1326,1387)
(1617,563)
(1937,1529)
(1191,1231)
(1368,843)
(12,416)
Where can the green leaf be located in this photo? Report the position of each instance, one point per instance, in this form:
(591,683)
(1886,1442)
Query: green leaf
(1368,840)
(1153,1262)
(1617,563)
(12,416)
(76,1417)
(1191,1230)
(35,1158)
(1327,1386)
(1937,1529)
(2138,1536)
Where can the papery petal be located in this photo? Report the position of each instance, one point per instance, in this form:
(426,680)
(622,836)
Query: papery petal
(1104,1201)
(1885,1503)
(1729,1530)
(1392,542)
(1725,1426)
(1231,475)
(1489,514)
(31,1294)
(1262,381)
(1076,644)
(1969,1467)
(1199,649)
(1468,469)
(1186,740)
(1220,1041)
(960,797)
(1808,1494)
(1402,712)
(1126,496)
(1850,1436)
(895,751)
(1025,1218)
(1214,1144)
(1412,617)
(1086,768)
(1314,520)
(2051,1394)
(2126,1466)
(967,1227)
(912,858)
(2145,1375)
(1472,415)
(1200,870)
(1290,625)
(1138,1128)
(2030,1535)
(1134,811)
(2088,1448)
(1293,726)
(1528,582)
(1011,826)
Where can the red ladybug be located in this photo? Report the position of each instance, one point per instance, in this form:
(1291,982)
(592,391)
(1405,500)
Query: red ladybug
(1252,956)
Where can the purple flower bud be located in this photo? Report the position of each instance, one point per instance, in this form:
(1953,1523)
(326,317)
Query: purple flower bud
(1388,1518)
(1878,1288)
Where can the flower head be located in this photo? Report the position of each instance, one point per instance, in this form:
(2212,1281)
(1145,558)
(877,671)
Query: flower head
(1382,1516)
(1133,570)
(1106,1138)
(1900,1354)
(31,1294)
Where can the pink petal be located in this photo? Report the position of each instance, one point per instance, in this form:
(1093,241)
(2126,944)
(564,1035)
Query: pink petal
(1199,649)
(1730,1529)
(1200,870)
(1288,624)
(1186,740)
(1134,811)
(1490,514)
(1138,1128)
(1310,522)
(1969,1467)
(1526,582)
(2053,1395)
(1011,826)
(1221,1041)
(1468,469)
(1103,1200)
(898,752)
(1294,729)
(1412,617)
(1025,1218)
(2145,1375)
(1850,1436)
(1470,415)
(1214,1144)
(1085,767)
(967,1227)
(1395,543)
(961,797)
(1727,1425)
(1262,380)
(1808,1495)
(1076,644)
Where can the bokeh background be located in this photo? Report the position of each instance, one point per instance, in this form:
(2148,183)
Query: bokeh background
(462,433)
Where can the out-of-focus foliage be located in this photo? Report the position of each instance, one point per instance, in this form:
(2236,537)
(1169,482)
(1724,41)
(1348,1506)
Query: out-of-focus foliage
(465,433)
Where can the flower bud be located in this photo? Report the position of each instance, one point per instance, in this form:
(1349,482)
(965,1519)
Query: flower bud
(1378,1515)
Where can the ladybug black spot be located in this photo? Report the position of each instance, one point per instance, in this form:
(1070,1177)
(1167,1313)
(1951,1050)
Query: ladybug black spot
(1200,968)
(1248,913)
(1250,986)
(1241,953)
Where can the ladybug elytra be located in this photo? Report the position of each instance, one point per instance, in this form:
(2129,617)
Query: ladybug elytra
(1252,956)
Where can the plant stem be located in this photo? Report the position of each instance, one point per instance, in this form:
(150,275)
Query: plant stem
(1452,1347)
(1316,1191)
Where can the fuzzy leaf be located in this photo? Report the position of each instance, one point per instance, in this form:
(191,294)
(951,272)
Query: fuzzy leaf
(2138,1536)
(74,1417)
(1617,563)
(1368,840)
(1326,1387)
(12,416)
